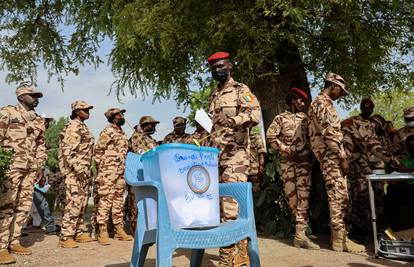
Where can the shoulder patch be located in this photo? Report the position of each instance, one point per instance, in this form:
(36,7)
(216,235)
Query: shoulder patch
(248,97)
(103,139)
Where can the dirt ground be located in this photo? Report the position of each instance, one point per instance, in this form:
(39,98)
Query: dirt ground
(273,252)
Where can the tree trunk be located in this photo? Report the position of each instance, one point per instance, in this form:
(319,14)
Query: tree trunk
(275,79)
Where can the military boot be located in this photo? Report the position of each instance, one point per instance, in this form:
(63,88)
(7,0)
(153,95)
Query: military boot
(83,238)
(103,237)
(6,257)
(241,258)
(120,233)
(301,240)
(226,255)
(19,250)
(68,243)
(340,242)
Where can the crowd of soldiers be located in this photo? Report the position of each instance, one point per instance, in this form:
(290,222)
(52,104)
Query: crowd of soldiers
(354,147)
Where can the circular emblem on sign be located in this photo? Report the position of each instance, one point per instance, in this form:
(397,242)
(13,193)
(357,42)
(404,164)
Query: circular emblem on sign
(198,179)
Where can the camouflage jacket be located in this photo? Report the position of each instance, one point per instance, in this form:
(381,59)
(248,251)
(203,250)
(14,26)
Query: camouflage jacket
(111,150)
(399,149)
(325,128)
(256,148)
(141,143)
(289,133)
(202,138)
(237,102)
(76,148)
(361,142)
(175,138)
(24,132)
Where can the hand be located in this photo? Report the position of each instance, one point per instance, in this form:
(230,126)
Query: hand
(345,166)
(223,120)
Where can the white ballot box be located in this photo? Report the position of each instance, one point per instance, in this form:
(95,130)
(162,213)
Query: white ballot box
(189,177)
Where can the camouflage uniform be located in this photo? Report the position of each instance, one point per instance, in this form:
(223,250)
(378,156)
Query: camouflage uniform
(256,148)
(75,158)
(23,132)
(242,108)
(201,137)
(110,154)
(399,139)
(288,134)
(360,142)
(140,143)
(178,138)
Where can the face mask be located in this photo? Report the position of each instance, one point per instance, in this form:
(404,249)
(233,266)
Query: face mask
(220,75)
(120,122)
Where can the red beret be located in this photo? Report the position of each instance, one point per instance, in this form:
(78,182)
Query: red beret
(367,103)
(299,93)
(217,56)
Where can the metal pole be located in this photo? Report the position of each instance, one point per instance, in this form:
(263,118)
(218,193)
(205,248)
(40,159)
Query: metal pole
(373,216)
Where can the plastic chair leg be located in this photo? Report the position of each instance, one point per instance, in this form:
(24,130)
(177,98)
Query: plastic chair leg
(143,255)
(164,256)
(196,257)
(254,252)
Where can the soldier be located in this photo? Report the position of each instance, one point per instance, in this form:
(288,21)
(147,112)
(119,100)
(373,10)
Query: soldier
(22,131)
(234,110)
(257,159)
(200,135)
(110,154)
(178,135)
(288,134)
(380,129)
(75,159)
(140,142)
(400,150)
(361,143)
(326,143)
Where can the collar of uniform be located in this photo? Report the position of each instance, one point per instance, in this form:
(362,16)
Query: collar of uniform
(78,121)
(116,128)
(229,85)
(28,115)
(326,97)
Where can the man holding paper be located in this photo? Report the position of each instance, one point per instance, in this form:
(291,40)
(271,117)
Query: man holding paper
(234,110)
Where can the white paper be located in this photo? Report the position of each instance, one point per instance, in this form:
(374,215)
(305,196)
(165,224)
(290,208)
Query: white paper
(204,120)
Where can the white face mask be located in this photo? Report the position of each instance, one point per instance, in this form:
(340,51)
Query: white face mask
(410,124)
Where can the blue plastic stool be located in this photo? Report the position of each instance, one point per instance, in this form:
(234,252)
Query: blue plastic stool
(169,239)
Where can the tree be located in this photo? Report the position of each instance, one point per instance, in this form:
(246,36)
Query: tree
(390,105)
(160,47)
(5,160)
(52,142)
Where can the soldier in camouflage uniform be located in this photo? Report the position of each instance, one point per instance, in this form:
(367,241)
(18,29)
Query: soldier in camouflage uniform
(75,159)
(361,143)
(110,154)
(257,160)
(326,142)
(400,150)
(178,135)
(22,131)
(234,110)
(140,142)
(200,135)
(288,134)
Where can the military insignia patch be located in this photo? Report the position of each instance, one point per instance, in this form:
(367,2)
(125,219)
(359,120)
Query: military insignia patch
(103,139)
(248,97)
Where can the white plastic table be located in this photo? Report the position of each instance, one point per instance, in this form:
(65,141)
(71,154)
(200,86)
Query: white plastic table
(394,177)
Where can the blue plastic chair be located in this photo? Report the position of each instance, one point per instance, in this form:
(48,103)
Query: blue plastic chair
(169,239)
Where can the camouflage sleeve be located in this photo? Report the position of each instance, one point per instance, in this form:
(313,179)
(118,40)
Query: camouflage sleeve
(69,144)
(330,129)
(249,109)
(260,146)
(41,151)
(273,135)
(101,146)
(4,124)
(374,145)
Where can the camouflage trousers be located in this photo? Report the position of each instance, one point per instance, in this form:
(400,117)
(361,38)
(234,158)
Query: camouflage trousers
(336,189)
(76,202)
(131,210)
(110,194)
(296,179)
(359,217)
(16,196)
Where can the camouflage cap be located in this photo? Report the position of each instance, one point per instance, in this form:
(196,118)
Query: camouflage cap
(179,120)
(336,79)
(112,111)
(409,113)
(27,88)
(80,105)
(147,120)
